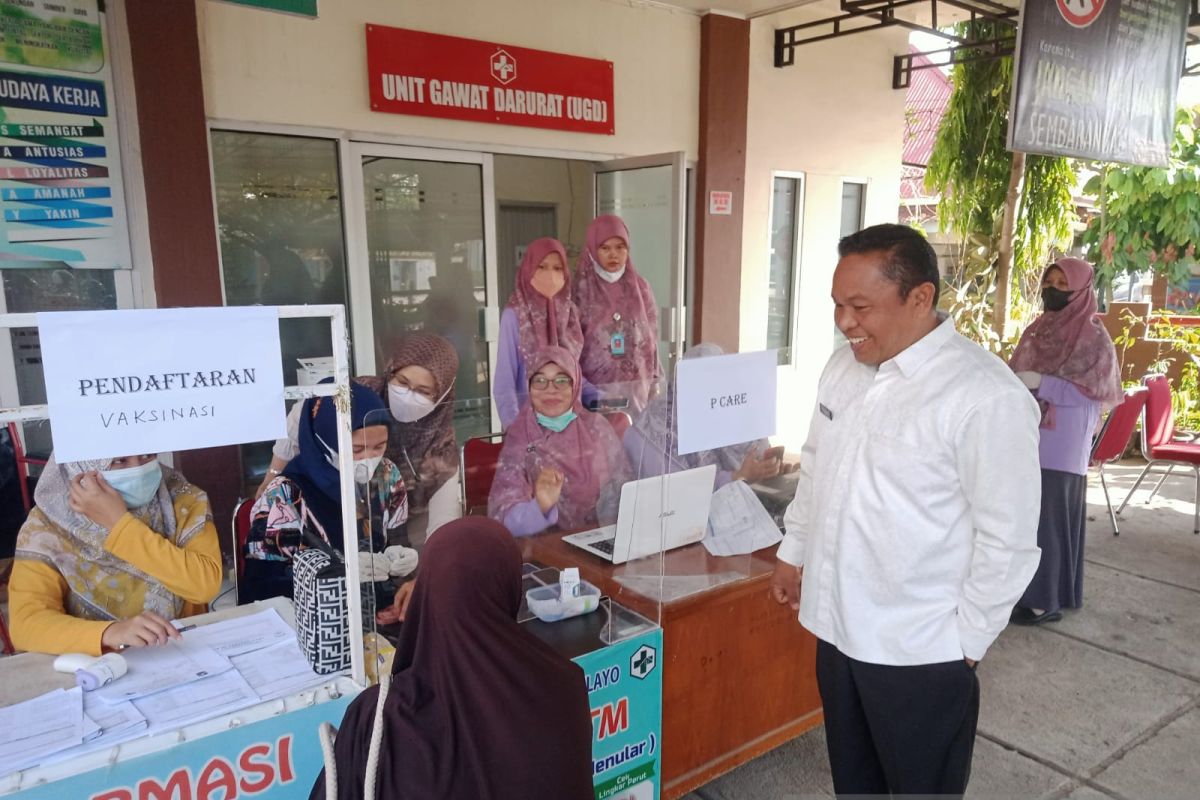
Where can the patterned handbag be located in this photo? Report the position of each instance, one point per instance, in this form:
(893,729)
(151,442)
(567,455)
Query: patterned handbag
(321,609)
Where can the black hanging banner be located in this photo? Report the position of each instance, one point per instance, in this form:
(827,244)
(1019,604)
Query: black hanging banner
(1098,79)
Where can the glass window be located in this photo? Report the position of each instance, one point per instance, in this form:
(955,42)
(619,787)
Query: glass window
(854,197)
(426,261)
(781,279)
(32,290)
(279,217)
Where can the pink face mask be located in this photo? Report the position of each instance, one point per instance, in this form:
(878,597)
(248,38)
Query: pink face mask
(548,282)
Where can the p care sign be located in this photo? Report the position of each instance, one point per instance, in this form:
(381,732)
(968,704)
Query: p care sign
(431,75)
(724,400)
(148,381)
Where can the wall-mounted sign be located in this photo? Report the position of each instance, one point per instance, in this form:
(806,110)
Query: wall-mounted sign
(306,8)
(431,75)
(724,400)
(720,203)
(122,383)
(61,195)
(1098,79)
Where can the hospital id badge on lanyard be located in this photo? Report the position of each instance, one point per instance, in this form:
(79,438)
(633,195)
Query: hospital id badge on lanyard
(616,342)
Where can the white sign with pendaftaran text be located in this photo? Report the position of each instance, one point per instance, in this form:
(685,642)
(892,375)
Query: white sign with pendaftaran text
(724,400)
(130,382)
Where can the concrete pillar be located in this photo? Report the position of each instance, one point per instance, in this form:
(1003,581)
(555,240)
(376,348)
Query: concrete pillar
(724,95)
(165,52)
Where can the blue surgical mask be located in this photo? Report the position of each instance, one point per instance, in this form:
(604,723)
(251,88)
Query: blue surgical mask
(136,485)
(557,424)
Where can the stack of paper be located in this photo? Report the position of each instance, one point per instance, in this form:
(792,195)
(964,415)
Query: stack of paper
(36,729)
(232,637)
(155,669)
(738,523)
(213,670)
(111,724)
(278,670)
(196,702)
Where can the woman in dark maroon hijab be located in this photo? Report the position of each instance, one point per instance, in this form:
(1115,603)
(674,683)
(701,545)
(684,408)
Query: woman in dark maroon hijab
(478,709)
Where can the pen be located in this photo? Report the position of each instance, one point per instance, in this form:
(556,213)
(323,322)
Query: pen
(185,628)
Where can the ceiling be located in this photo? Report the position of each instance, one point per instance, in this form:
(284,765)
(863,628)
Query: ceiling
(762,8)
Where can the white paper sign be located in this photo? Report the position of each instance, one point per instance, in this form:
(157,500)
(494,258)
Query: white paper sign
(724,400)
(124,383)
(720,202)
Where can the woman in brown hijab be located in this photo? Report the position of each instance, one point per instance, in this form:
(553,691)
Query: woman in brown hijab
(418,387)
(479,709)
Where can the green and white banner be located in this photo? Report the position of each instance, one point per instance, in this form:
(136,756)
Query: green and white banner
(307,8)
(62,201)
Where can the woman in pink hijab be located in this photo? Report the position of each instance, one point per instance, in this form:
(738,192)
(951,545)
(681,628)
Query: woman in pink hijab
(561,465)
(1068,361)
(539,314)
(619,316)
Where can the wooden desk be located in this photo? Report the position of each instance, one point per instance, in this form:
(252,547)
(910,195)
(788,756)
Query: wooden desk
(739,672)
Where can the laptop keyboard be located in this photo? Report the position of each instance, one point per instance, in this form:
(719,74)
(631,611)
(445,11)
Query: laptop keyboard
(604,546)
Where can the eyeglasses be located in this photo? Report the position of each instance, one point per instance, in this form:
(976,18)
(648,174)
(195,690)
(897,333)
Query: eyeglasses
(428,394)
(541,382)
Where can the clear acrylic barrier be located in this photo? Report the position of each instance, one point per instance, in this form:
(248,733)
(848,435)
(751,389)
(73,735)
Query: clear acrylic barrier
(688,526)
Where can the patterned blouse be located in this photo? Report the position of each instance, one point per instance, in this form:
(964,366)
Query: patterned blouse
(279,518)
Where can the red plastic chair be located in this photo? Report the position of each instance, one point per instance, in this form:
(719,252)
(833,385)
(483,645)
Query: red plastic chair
(478,465)
(23,460)
(620,422)
(1159,445)
(1114,438)
(241,535)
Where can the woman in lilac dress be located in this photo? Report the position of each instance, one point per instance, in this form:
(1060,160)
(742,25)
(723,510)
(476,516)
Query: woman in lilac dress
(1068,361)
(561,465)
(619,316)
(539,314)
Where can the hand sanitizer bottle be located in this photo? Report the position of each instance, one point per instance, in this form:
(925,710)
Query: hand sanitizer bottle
(568,583)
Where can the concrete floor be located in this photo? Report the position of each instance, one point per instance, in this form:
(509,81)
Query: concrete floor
(1104,704)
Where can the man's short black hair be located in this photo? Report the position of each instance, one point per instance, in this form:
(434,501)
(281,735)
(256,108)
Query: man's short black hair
(910,258)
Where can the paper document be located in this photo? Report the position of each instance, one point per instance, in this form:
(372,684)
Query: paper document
(114,719)
(278,670)
(196,701)
(153,669)
(737,522)
(232,637)
(32,730)
(116,723)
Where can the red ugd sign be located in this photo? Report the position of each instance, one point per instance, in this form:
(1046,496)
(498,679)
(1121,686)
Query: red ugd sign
(431,75)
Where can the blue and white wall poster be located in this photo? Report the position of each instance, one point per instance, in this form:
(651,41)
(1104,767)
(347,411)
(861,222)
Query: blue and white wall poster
(1098,79)
(61,193)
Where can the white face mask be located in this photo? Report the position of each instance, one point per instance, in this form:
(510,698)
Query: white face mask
(364,468)
(610,277)
(406,405)
(136,485)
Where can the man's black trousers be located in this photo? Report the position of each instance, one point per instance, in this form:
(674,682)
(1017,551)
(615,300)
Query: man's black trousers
(898,730)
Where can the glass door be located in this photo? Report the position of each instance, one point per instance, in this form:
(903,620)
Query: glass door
(650,194)
(421,246)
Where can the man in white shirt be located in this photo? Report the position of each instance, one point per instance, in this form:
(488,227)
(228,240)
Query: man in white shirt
(915,522)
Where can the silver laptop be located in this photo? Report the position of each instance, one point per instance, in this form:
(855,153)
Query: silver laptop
(656,514)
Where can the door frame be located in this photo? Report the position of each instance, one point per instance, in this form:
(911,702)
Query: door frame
(676,317)
(354,218)
(353,144)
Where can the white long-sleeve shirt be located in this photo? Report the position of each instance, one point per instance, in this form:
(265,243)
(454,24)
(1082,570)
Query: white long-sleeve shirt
(916,513)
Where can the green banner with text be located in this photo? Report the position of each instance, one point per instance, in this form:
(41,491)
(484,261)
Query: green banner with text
(307,8)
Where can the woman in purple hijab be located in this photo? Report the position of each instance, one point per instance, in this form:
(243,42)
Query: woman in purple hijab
(1068,361)
(619,316)
(539,314)
(478,708)
(561,465)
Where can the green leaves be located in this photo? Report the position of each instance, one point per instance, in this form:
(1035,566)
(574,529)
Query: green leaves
(1152,214)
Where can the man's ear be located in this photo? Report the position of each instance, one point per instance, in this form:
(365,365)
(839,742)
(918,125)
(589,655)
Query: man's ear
(922,296)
